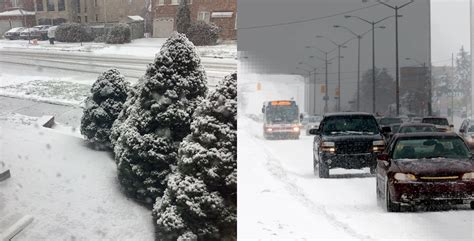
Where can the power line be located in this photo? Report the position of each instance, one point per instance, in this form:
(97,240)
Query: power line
(308,20)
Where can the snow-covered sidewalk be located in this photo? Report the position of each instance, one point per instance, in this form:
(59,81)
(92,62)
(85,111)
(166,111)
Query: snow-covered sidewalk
(71,190)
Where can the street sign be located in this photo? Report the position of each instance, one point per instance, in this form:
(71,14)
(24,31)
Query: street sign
(325,97)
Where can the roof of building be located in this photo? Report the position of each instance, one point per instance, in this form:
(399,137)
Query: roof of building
(16,12)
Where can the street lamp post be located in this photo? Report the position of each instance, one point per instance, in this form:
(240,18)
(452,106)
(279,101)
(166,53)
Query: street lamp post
(359,37)
(309,81)
(339,46)
(396,8)
(326,62)
(372,23)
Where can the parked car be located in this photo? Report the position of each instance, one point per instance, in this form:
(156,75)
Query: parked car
(419,168)
(30,33)
(441,123)
(347,140)
(466,131)
(43,30)
(13,33)
(311,122)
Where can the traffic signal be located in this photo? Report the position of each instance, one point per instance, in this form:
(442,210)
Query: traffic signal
(338,92)
(259,86)
(323,89)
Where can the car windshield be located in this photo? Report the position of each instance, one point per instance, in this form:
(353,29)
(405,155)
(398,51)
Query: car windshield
(431,147)
(282,114)
(389,121)
(436,121)
(410,129)
(350,124)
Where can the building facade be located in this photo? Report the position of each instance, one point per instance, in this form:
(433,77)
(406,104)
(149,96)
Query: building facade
(87,11)
(223,13)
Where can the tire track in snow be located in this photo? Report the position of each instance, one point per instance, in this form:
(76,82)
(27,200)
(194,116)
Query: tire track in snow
(275,168)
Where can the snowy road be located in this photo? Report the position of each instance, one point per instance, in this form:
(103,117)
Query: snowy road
(279,197)
(131,67)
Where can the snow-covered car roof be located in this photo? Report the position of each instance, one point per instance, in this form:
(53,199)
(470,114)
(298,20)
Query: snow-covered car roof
(15,29)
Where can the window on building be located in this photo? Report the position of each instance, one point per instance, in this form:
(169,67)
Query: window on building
(85,7)
(61,5)
(204,16)
(78,4)
(235,23)
(85,19)
(78,19)
(39,5)
(50,5)
(97,17)
(95,3)
(174,2)
(161,2)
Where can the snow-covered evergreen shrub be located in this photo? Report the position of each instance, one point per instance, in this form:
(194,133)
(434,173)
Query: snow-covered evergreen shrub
(183,17)
(202,33)
(201,198)
(119,34)
(73,32)
(108,94)
(156,119)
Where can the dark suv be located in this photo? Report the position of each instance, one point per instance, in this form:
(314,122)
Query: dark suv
(347,140)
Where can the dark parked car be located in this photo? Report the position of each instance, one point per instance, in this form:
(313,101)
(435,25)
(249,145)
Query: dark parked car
(419,168)
(386,121)
(348,140)
(441,123)
(13,33)
(466,131)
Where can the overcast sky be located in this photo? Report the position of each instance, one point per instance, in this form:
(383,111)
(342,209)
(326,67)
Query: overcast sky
(449,28)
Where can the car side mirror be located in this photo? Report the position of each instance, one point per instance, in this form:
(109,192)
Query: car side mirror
(314,132)
(451,125)
(386,129)
(461,130)
(263,109)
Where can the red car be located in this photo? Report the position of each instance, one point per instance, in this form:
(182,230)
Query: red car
(419,168)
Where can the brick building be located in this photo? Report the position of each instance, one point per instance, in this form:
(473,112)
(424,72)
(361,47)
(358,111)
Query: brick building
(27,5)
(221,12)
(87,11)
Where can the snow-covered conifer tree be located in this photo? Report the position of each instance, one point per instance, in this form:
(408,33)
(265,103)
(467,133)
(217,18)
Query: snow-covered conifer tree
(201,197)
(108,94)
(157,118)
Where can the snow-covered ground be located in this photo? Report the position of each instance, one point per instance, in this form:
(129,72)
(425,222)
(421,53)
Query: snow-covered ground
(144,47)
(279,197)
(71,190)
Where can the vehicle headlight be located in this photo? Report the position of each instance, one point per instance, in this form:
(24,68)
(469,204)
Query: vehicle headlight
(404,177)
(269,129)
(468,176)
(378,146)
(328,144)
(296,129)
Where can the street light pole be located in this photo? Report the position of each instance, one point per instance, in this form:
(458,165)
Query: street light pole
(372,24)
(396,8)
(359,37)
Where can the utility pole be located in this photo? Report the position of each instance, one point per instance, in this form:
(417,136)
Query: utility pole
(452,87)
(372,24)
(396,8)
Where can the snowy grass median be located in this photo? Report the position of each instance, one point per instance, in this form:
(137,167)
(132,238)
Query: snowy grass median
(50,91)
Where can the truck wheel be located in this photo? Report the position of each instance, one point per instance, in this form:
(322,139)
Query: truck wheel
(323,170)
(391,206)
(472,204)
(373,169)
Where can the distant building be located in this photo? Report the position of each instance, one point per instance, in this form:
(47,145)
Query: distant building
(414,89)
(87,11)
(221,12)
